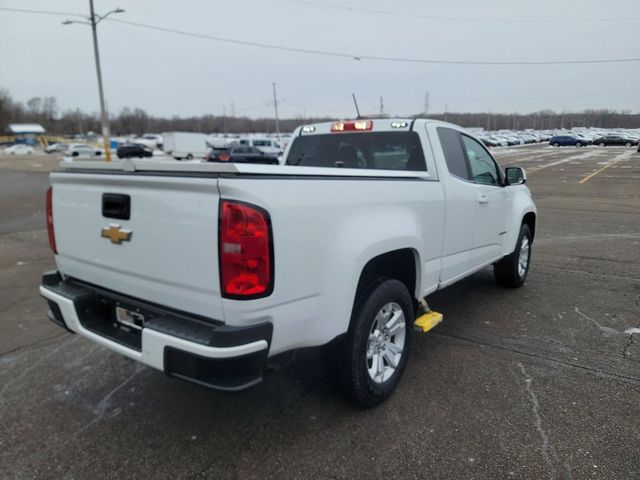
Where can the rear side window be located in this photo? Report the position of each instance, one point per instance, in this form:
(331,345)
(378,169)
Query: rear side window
(453,153)
(371,150)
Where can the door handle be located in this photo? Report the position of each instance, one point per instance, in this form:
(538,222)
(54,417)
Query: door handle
(483,199)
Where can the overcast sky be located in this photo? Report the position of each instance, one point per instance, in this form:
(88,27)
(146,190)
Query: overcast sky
(169,74)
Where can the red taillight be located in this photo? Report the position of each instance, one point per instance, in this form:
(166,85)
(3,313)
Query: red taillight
(223,157)
(357,125)
(50,231)
(246,254)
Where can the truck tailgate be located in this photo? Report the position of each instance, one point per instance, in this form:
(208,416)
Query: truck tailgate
(171,257)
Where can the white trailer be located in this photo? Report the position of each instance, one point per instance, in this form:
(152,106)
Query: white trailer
(181,145)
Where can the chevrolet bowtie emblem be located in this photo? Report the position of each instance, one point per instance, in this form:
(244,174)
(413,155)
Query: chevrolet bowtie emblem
(117,234)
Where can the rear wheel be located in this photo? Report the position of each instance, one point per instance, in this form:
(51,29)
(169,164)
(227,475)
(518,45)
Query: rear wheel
(370,360)
(511,271)
(628,144)
(189,157)
(578,144)
(602,144)
(556,144)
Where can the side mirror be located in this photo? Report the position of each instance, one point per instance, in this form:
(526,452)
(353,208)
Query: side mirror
(515,176)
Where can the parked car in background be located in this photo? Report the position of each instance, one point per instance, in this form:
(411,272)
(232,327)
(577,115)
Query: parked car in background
(267,145)
(241,154)
(82,150)
(150,140)
(614,139)
(568,140)
(130,150)
(490,141)
(19,149)
(185,145)
(55,148)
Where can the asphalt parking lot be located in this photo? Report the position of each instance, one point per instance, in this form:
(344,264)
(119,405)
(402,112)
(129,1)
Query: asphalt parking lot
(539,382)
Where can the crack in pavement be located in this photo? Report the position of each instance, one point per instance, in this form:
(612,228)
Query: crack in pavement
(42,343)
(583,272)
(630,332)
(627,379)
(548,452)
(603,328)
(611,331)
(261,428)
(32,367)
(99,410)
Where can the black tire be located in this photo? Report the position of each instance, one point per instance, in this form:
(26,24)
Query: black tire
(189,157)
(349,354)
(506,270)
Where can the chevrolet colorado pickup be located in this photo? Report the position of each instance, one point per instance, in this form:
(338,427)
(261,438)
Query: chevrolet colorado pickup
(206,271)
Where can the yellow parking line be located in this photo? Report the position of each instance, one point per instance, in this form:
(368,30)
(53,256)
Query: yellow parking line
(600,170)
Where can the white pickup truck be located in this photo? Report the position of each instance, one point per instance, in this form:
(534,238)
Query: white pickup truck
(207,271)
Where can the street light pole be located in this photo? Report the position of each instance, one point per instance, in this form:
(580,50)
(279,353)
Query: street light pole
(104,119)
(94,19)
(275,106)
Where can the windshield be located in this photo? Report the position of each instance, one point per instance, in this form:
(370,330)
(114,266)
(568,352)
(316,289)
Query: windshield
(372,150)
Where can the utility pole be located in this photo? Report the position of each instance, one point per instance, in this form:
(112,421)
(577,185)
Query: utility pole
(381,106)
(489,119)
(446,105)
(93,21)
(224,119)
(104,119)
(275,106)
(426,104)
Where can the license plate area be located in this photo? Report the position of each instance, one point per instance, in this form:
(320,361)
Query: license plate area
(112,319)
(129,317)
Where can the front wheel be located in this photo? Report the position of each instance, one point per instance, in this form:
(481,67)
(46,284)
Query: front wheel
(556,144)
(628,144)
(511,271)
(372,357)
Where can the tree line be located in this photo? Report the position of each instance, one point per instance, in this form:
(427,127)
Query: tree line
(45,111)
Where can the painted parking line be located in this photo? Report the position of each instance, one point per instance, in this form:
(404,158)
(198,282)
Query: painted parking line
(572,158)
(618,159)
(531,158)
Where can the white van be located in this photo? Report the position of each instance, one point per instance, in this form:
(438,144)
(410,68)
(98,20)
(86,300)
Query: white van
(267,145)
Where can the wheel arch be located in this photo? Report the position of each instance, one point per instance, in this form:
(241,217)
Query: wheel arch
(529,219)
(402,264)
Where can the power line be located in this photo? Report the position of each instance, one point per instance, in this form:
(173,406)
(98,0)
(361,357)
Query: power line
(458,19)
(352,56)
(43,12)
(364,57)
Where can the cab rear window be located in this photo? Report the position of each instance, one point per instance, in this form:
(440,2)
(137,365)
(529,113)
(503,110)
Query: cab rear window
(371,150)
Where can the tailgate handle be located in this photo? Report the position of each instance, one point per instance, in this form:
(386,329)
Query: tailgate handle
(116,205)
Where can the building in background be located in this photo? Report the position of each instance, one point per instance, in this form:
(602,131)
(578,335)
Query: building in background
(29,133)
